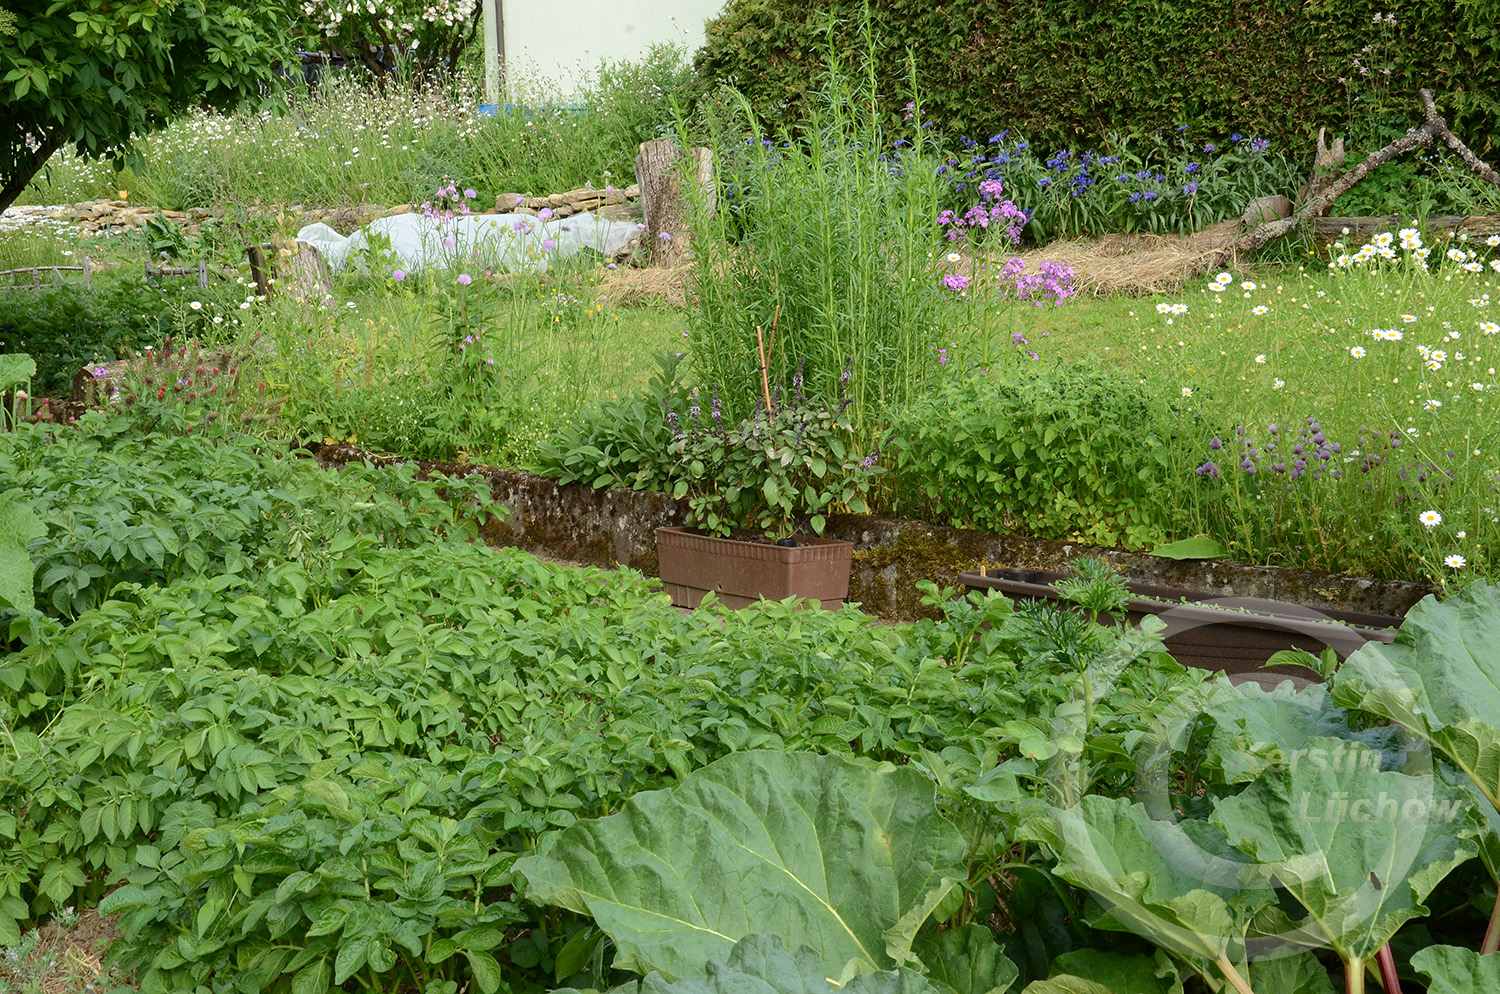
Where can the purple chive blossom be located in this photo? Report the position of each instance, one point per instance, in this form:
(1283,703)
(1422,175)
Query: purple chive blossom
(465,279)
(1208,469)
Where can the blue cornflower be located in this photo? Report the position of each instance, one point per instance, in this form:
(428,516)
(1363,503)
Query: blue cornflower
(1149,195)
(1123,177)
(898,142)
(1135,196)
(1191,188)
(1043,180)
(1236,137)
(1182,127)
(1259,144)
(1190,168)
(1210,147)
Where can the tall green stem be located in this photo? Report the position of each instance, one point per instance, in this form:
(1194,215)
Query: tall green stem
(1354,976)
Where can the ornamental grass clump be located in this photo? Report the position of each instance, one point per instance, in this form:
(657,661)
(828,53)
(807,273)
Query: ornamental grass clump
(827,230)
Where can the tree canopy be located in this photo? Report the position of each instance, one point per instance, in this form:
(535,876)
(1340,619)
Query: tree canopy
(95,72)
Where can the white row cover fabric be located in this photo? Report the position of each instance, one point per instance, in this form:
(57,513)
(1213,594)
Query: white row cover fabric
(497,242)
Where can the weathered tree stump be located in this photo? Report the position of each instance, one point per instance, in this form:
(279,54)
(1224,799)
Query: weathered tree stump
(310,277)
(667,204)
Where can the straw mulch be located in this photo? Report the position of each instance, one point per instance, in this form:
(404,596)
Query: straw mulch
(1135,264)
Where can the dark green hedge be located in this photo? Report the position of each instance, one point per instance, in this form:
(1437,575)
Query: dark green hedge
(1077,70)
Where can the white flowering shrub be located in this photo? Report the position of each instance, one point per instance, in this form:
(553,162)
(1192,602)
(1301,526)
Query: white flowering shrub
(424,36)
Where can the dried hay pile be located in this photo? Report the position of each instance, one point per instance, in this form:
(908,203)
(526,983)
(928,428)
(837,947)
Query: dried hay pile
(1135,264)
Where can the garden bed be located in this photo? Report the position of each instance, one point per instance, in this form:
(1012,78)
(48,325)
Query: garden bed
(613,527)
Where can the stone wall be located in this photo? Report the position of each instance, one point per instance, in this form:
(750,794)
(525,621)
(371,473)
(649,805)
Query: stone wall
(614,528)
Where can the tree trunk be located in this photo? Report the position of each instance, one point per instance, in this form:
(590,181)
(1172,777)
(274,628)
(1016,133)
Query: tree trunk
(659,169)
(27,166)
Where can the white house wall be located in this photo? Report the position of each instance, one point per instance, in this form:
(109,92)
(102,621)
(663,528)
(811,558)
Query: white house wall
(554,45)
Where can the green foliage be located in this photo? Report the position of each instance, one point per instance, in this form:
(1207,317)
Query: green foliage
(621,442)
(303,731)
(19,526)
(1452,971)
(67,328)
(95,73)
(1278,70)
(777,472)
(1413,827)
(758,964)
(826,247)
(1051,451)
(423,38)
(847,859)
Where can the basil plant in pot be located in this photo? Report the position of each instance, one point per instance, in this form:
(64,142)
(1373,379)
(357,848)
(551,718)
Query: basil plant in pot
(759,493)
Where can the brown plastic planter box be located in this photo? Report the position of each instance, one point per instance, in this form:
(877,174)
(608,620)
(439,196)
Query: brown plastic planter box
(740,573)
(1235,635)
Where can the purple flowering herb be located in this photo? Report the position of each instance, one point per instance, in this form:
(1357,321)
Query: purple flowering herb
(955,281)
(1190,188)
(665,236)
(848,371)
(469,193)
(549,245)
(942,356)
(465,279)
(545,214)
(398,275)
(1208,469)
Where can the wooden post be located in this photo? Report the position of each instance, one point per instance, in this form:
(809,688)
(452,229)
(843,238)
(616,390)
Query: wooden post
(659,169)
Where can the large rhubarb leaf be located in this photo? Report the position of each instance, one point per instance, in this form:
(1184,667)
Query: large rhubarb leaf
(967,959)
(760,964)
(1457,971)
(18,526)
(1123,973)
(1165,881)
(1359,848)
(1441,679)
(1257,729)
(846,858)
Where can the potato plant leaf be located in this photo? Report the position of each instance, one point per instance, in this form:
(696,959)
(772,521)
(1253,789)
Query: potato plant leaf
(1357,847)
(834,854)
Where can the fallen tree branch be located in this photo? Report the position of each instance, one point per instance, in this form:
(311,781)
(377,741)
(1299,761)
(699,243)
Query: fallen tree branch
(1434,128)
